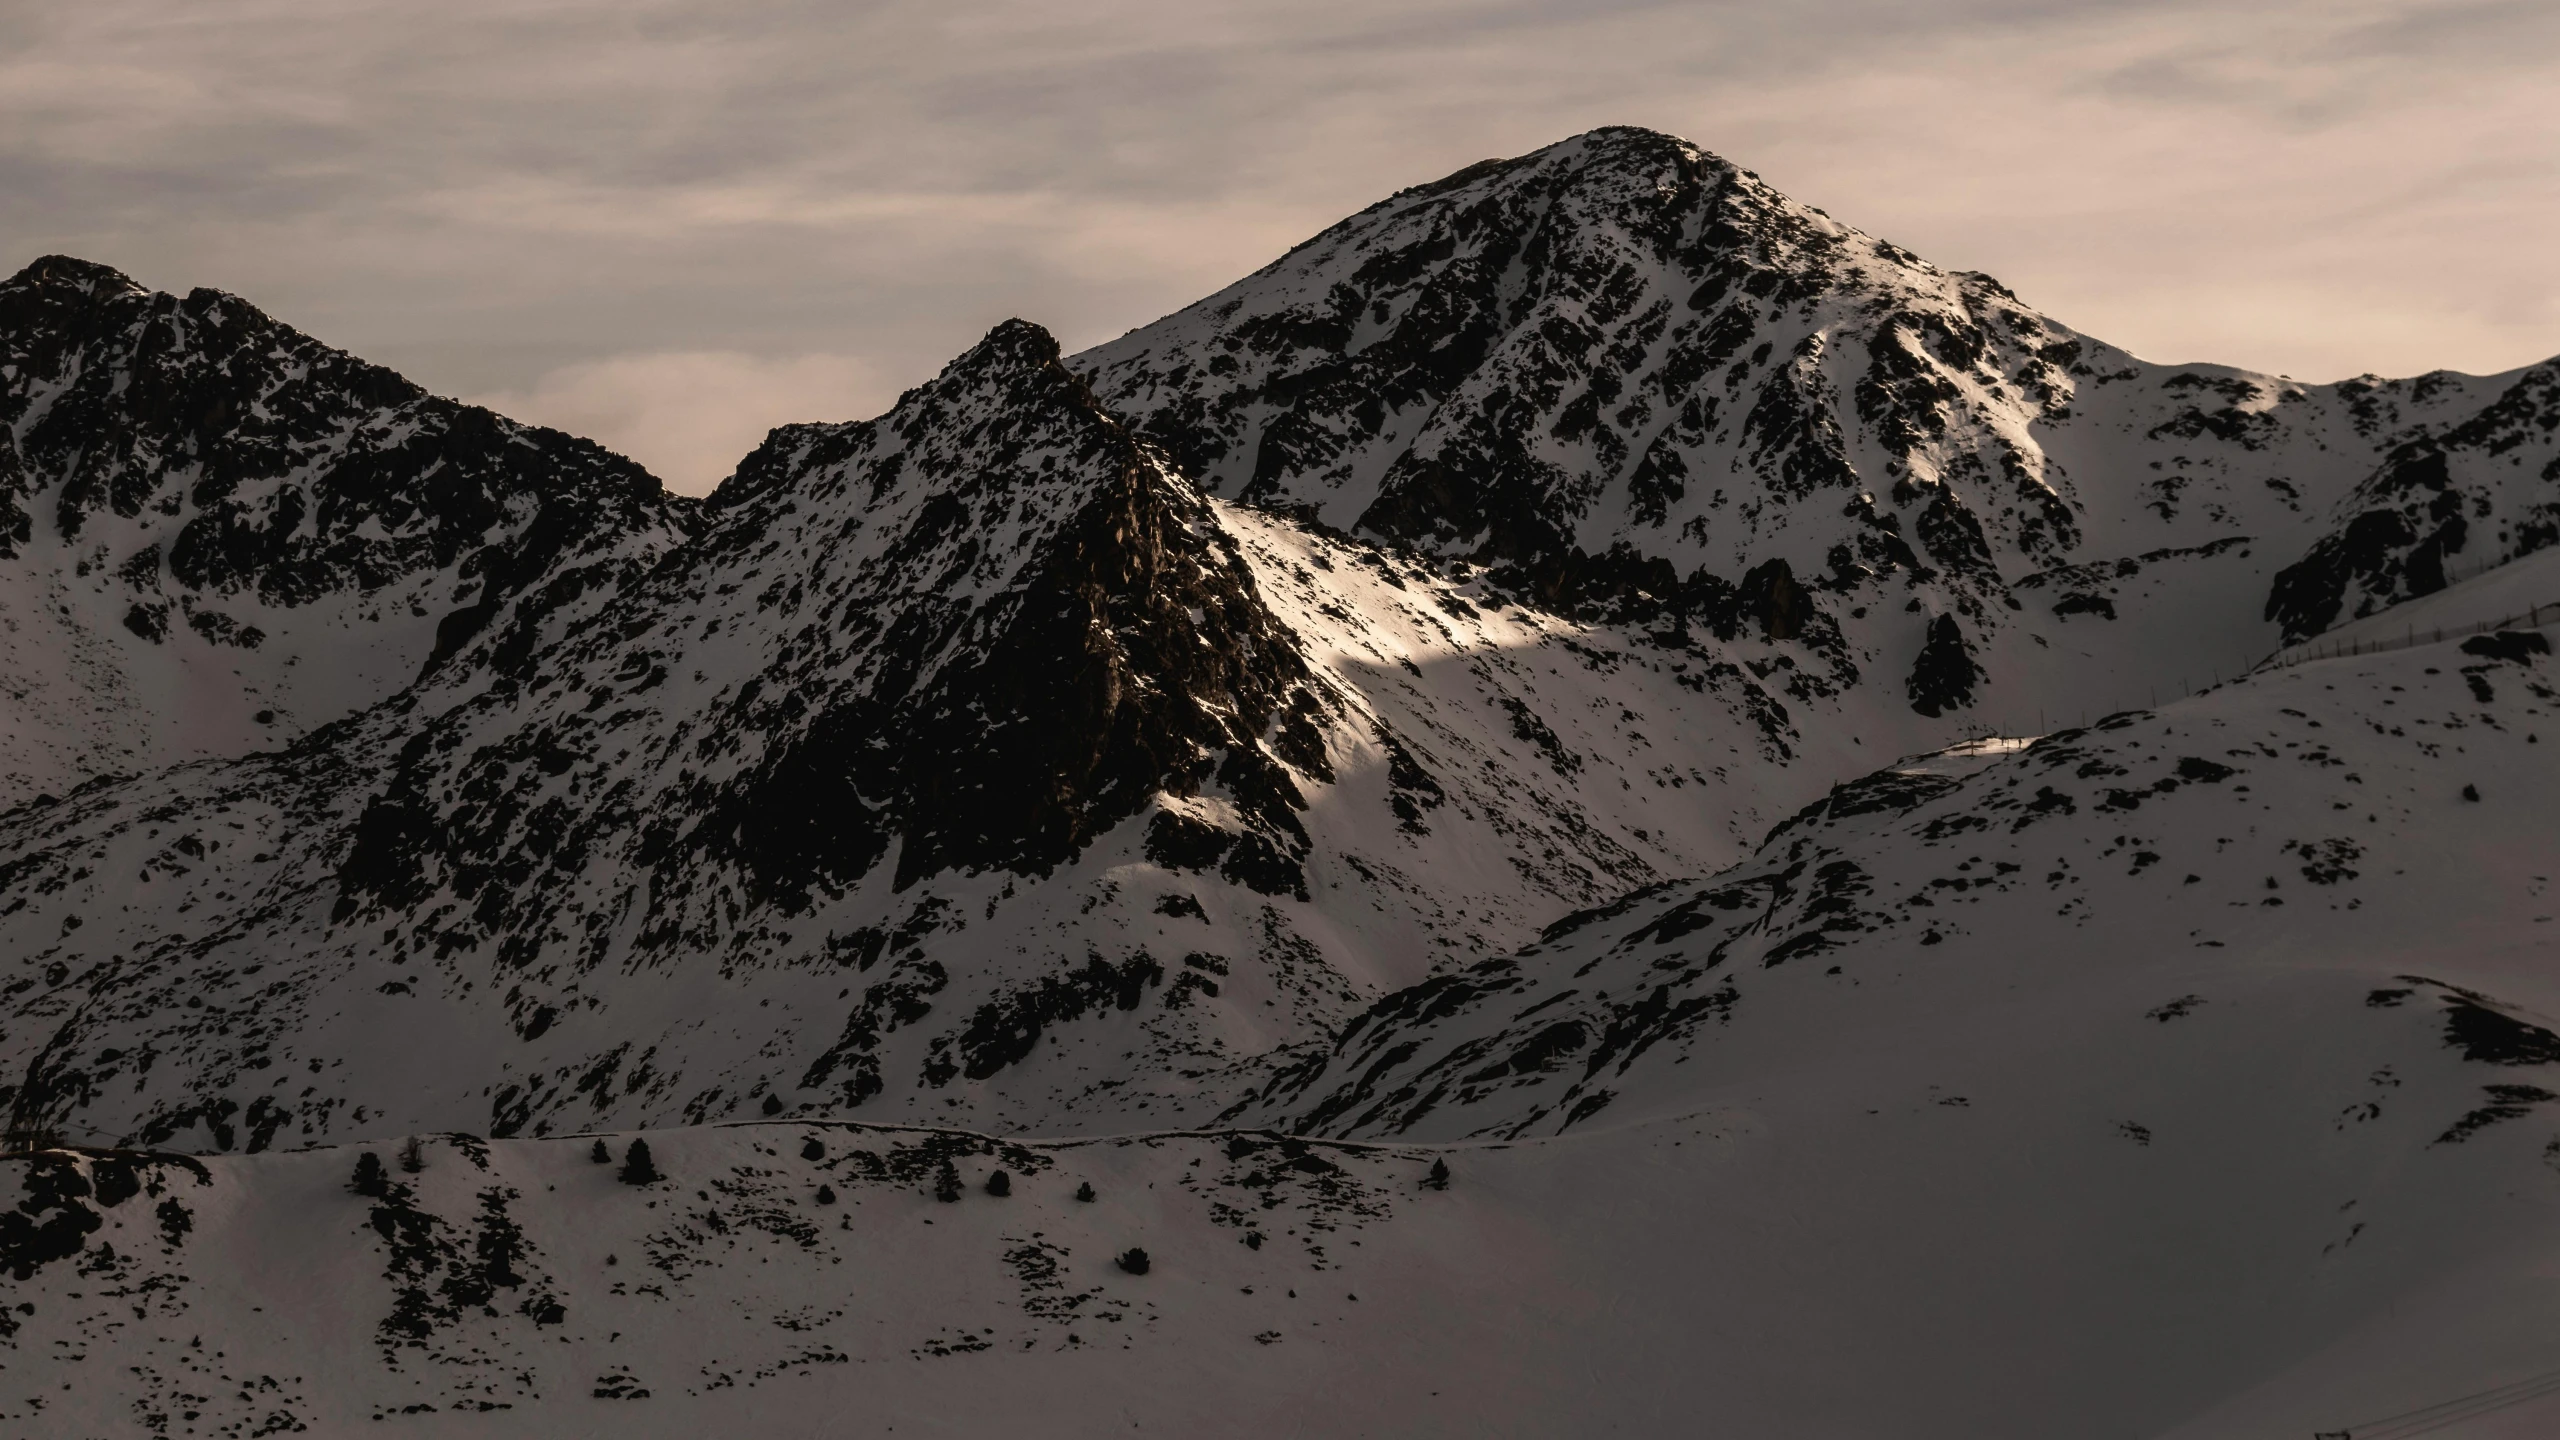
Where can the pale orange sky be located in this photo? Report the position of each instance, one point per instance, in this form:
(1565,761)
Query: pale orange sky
(670,225)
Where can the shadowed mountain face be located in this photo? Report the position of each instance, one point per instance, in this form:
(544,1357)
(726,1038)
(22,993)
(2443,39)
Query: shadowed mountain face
(217,533)
(979,631)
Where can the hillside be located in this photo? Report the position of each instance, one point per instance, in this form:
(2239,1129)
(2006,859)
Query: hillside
(2212,1121)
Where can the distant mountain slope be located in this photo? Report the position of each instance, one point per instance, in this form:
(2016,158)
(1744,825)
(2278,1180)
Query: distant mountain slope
(2449,500)
(217,534)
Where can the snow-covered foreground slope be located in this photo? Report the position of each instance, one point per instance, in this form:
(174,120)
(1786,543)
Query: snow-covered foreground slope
(2240,1222)
(218,534)
(2189,1075)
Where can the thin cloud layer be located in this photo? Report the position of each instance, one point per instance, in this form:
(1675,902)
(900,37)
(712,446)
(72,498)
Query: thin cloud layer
(550,199)
(690,415)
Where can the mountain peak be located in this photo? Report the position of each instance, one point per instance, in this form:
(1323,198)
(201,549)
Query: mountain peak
(1014,341)
(70,272)
(1533,362)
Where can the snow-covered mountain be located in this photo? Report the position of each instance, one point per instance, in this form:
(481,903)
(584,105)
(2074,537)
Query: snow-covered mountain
(1633,380)
(966,761)
(1403,751)
(217,534)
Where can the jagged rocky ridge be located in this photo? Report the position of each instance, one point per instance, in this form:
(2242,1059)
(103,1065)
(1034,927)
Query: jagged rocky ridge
(977,633)
(217,533)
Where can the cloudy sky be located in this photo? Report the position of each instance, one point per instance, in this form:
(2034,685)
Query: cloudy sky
(672,223)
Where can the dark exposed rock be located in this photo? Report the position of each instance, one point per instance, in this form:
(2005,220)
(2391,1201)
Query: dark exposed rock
(1943,678)
(2516,647)
(1084,640)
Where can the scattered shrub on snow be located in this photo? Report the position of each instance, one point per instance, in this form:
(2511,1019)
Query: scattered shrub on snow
(637,1166)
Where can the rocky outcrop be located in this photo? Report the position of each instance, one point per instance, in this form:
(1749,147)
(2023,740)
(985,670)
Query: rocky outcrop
(2448,501)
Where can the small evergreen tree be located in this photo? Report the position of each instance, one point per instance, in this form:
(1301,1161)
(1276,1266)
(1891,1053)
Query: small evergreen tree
(637,1167)
(370,1180)
(773,1104)
(1000,1184)
(1438,1179)
(812,1150)
(412,1158)
(946,1183)
(1134,1260)
(826,1194)
(600,1155)
(1084,1192)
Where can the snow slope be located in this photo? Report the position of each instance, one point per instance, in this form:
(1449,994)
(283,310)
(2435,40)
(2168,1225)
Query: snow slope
(1961,1110)
(2186,1076)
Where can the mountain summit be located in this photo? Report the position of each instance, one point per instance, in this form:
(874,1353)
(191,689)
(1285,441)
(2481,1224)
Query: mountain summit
(1637,382)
